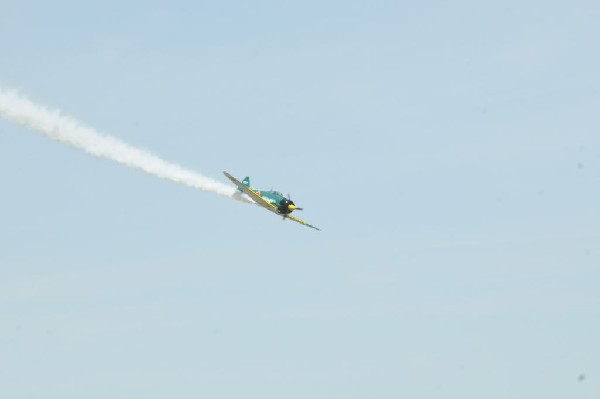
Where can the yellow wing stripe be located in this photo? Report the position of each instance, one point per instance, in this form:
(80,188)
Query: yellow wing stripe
(302,222)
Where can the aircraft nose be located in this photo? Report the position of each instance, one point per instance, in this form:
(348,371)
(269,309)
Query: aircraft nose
(291,207)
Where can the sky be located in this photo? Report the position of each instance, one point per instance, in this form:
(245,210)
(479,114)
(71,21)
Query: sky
(449,152)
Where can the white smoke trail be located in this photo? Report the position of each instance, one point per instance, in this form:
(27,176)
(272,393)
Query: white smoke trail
(65,129)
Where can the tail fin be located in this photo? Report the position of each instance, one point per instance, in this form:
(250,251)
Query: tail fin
(245,182)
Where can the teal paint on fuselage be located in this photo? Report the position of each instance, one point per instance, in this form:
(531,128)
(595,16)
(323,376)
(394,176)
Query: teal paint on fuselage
(274,197)
(284,205)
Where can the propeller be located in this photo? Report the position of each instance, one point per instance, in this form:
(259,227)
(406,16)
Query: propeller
(295,208)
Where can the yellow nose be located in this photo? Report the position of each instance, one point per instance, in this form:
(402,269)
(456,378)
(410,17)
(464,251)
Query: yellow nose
(291,207)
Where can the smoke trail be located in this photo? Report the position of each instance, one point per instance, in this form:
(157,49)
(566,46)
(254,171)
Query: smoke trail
(67,130)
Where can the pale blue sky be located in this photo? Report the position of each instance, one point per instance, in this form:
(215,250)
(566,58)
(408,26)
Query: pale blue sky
(448,150)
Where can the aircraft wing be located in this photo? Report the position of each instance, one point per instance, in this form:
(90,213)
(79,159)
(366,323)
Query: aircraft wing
(302,222)
(260,201)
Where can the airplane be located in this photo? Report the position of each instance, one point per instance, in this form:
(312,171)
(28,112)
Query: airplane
(271,200)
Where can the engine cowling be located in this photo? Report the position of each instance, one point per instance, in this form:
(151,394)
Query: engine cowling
(286,206)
